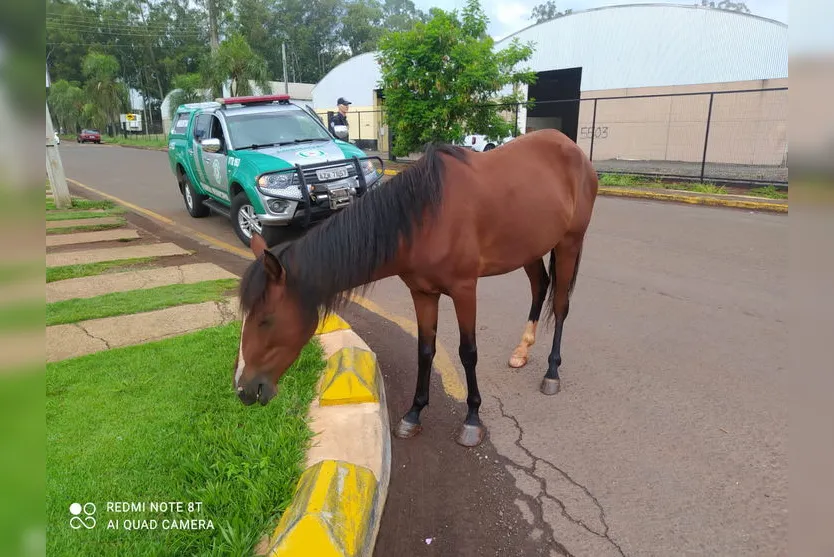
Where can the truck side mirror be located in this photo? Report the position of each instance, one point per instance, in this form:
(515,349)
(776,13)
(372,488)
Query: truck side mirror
(211,145)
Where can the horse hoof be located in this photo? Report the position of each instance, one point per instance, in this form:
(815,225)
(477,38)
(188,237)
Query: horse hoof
(517,361)
(407,430)
(550,386)
(471,435)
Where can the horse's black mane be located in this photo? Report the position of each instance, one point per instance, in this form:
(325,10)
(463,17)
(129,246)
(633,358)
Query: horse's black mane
(342,254)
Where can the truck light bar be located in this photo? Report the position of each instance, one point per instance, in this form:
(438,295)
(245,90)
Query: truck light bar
(259,99)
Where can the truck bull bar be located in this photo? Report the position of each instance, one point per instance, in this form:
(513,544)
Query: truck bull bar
(307,203)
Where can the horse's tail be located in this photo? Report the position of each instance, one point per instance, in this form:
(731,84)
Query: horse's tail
(551,283)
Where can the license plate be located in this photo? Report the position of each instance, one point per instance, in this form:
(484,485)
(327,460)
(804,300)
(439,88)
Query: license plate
(339,198)
(332,173)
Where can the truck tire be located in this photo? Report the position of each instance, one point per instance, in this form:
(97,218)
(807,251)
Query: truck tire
(243,212)
(193,200)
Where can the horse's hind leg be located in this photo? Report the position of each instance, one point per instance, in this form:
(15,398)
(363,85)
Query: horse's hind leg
(538,285)
(425,306)
(567,254)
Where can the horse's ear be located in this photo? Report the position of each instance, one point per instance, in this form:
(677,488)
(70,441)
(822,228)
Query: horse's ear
(273,267)
(258,244)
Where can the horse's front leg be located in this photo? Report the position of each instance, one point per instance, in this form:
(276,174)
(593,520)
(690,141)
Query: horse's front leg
(473,431)
(426,307)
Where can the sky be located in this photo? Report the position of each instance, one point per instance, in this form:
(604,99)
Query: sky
(509,16)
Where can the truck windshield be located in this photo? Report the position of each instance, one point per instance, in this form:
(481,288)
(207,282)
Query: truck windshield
(273,128)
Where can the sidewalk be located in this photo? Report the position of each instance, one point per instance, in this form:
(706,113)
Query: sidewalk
(118,287)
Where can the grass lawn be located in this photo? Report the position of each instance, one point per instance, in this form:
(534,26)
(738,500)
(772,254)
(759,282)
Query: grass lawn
(79,203)
(77,215)
(139,141)
(136,301)
(627,180)
(83,209)
(85,228)
(89,269)
(770,192)
(161,422)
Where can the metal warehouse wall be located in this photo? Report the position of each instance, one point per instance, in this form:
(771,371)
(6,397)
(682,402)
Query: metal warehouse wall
(650,45)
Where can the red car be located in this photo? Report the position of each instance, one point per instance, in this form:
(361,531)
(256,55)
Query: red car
(92,136)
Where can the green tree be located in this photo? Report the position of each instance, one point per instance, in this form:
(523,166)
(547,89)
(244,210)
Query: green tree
(402,15)
(103,87)
(66,101)
(547,11)
(187,89)
(443,79)
(236,62)
(363,26)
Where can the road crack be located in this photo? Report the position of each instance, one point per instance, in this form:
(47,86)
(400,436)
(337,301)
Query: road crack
(89,334)
(531,471)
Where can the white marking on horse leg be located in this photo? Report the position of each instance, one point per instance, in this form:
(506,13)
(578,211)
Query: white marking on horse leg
(528,339)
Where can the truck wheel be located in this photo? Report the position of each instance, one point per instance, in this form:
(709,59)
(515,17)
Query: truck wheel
(489,147)
(193,200)
(244,219)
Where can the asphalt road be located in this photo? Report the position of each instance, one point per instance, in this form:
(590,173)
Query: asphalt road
(669,436)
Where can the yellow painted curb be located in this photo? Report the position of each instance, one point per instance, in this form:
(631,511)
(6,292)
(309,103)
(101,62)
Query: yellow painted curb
(350,378)
(330,513)
(696,199)
(330,324)
(691,199)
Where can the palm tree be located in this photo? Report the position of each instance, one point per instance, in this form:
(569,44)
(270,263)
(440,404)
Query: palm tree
(237,62)
(67,101)
(106,92)
(186,90)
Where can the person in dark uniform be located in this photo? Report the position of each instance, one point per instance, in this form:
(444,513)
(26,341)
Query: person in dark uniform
(340,118)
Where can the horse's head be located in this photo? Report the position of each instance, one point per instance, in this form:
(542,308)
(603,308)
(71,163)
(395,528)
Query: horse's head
(274,328)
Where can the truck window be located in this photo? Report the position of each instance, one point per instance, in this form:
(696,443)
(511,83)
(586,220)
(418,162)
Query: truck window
(181,123)
(201,127)
(216,131)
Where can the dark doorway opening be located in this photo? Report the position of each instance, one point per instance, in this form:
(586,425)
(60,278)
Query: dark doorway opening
(556,85)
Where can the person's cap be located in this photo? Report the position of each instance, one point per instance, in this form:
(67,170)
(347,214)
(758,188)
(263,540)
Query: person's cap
(343,101)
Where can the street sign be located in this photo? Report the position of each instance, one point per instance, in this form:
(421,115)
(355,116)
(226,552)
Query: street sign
(131,121)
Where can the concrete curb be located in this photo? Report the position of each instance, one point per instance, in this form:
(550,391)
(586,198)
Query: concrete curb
(338,502)
(692,199)
(712,201)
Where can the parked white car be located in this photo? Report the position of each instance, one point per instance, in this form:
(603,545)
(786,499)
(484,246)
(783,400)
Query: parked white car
(481,144)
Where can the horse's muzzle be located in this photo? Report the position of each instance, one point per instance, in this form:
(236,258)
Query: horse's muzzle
(259,389)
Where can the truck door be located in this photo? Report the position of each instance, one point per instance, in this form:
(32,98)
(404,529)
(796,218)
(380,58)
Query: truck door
(214,164)
(199,133)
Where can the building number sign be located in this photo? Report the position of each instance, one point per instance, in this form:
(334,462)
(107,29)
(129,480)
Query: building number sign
(600,132)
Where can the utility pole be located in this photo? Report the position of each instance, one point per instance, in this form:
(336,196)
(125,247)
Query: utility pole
(213,35)
(54,166)
(284,64)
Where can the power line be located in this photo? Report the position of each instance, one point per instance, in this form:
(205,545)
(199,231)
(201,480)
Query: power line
(104,29)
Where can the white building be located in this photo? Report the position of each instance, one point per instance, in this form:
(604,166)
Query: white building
(626,51)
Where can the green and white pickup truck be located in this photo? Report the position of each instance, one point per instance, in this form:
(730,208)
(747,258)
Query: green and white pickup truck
(267,164)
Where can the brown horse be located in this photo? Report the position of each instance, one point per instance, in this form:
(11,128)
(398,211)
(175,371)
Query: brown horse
(452,217)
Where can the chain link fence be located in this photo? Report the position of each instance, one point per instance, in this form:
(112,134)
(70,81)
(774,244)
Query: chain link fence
(716,136)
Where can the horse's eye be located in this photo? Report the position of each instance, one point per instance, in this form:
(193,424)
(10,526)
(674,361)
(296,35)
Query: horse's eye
(267,321)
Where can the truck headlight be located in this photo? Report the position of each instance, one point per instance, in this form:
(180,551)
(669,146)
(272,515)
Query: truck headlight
(280,184)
